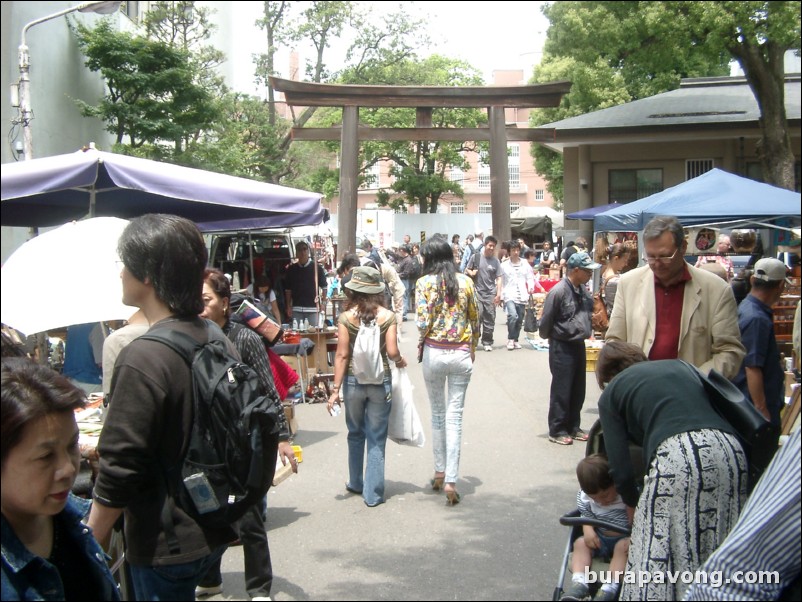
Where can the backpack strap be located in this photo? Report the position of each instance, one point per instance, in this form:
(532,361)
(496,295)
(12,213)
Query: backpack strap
(185,346)
(180,342)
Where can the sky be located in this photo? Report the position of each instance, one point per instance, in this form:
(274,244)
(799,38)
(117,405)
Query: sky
(488,35)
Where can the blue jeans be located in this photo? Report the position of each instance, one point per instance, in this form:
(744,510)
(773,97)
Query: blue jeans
(515,318)
(367,413)
(409,295)
(172,582)
(446,373)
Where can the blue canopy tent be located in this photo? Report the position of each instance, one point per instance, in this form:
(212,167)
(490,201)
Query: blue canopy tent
(715,197)
(591,212)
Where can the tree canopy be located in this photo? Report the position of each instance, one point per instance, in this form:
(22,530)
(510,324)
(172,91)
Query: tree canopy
(617,52)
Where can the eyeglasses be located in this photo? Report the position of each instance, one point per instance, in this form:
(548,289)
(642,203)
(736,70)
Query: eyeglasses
(661,259)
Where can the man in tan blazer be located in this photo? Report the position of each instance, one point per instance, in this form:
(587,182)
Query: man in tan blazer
(674,310)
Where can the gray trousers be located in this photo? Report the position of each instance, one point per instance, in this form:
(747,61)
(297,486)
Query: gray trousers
(487,318)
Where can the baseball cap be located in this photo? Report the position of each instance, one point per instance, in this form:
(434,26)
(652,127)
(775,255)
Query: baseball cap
(770,270)
(582,260)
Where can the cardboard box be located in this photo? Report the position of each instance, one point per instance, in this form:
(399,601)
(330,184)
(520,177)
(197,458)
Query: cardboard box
(790,380)
(289,412)
(591,355)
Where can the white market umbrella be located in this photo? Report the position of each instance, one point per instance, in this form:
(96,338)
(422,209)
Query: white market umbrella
(69,275)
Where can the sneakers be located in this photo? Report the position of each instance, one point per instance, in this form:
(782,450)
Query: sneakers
(603,594)
(212,590)
(577,591)
(510,345)
(516,345)
(488,347)
(580,435)
(562,439)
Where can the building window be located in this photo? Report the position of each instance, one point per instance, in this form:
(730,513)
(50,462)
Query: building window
(632,184)
(371,177)
(515,177)
(457,175)
(457,208)
(514,207)
(696,167)
(514,166)
(540,194)
(484,172)
(485,208)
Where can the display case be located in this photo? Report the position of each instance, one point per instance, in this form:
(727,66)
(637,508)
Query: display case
(784,311)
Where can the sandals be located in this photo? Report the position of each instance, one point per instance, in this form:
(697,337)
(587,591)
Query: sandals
(437,482)
(561,439)
(452,497)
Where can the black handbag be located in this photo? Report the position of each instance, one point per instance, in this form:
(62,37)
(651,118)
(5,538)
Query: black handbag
(759,436)
(530,317)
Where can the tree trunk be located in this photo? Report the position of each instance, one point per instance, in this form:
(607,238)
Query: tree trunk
(767,81)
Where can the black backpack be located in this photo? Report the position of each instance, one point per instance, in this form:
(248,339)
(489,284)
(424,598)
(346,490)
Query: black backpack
(230,459)
(416,269)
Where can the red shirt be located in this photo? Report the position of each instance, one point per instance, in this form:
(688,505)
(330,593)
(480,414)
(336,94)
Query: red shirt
(668,308)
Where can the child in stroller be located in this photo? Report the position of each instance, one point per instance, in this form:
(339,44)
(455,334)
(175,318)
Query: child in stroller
(598,499)
(599,528)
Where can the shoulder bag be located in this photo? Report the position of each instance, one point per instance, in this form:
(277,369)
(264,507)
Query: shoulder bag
(759,436)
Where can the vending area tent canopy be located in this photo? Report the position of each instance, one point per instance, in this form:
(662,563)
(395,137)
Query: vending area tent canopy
(54,190)
(714,197)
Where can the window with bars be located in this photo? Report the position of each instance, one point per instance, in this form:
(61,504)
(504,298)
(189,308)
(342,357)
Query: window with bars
(457,175)
(540,194)
(514,207)
(696,167)
(457,208)
(485,208)
(371,177)
(515,176)
(514,165)
(484,171)
(627,185)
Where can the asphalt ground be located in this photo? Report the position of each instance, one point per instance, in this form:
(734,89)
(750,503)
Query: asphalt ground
(502,542)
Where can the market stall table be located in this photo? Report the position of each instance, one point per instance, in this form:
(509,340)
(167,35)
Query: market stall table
(548,283)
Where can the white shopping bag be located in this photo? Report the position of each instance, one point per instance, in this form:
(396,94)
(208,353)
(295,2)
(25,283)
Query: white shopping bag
(405,426)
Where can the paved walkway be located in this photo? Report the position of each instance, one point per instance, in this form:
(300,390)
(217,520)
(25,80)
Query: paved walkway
(503,542)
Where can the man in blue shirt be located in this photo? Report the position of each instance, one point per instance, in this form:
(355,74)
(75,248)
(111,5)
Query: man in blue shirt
(761,377)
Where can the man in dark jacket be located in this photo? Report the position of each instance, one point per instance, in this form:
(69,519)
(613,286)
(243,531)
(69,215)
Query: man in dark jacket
(566,324)
(408,271)
(150,418)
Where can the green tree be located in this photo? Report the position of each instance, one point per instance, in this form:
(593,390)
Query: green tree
(152,95)
(632,50)
(376,42)
(757,35)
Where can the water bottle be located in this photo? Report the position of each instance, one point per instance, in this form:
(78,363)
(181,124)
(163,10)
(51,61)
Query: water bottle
(321,320)
(294,325)
(306,325)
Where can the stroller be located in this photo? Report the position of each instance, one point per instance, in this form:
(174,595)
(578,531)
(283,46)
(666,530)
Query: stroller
(575,521)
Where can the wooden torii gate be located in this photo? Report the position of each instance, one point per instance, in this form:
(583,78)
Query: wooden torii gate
(423,99)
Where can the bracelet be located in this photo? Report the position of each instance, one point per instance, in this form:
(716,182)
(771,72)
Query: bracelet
(335,387)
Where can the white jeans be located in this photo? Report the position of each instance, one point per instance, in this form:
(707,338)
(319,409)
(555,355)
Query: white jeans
(447,373)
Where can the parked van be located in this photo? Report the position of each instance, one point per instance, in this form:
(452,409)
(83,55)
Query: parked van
(246,255)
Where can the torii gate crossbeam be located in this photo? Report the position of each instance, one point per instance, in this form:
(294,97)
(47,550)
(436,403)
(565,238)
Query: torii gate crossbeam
(423,98)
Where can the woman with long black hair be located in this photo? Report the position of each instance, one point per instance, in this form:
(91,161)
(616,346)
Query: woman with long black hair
(448,322)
